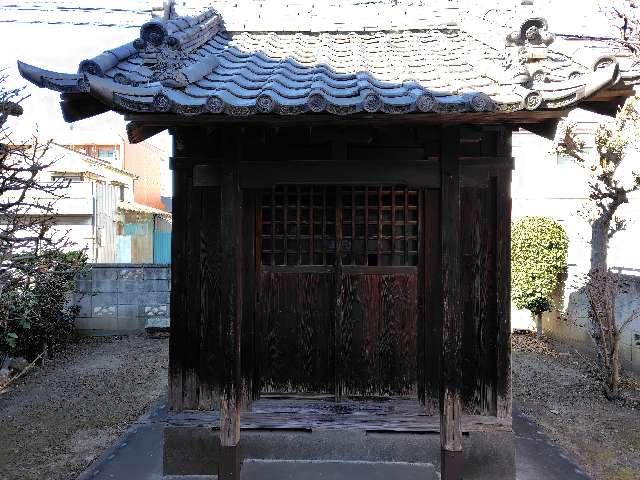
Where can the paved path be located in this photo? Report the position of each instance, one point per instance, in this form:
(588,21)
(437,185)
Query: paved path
(537,457)
(138,455)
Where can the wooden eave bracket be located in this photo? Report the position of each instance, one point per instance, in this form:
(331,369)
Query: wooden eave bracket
(546,129)
(139,132)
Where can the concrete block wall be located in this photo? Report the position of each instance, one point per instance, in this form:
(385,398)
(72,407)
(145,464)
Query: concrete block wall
(123,298)
(568,320)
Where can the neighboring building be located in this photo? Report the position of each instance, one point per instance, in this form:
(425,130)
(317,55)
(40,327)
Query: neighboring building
(144,234)
(144,160)
(138,228)
(99,214)
(550,184)
(88,213)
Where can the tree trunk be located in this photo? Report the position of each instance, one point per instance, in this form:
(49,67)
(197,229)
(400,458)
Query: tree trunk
(602,292)
(600,242)
(539,325)
(613,375)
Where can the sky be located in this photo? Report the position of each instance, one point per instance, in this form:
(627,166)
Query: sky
(61,47)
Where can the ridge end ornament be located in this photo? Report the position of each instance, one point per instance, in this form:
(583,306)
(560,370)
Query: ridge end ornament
(533,32)
(166,10)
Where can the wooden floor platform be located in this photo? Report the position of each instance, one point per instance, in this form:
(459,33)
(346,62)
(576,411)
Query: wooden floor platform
(307,414)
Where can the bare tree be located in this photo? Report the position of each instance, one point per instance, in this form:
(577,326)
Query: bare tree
(610,181)
(27,198)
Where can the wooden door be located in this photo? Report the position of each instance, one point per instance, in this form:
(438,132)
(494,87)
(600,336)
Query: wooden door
(337,289)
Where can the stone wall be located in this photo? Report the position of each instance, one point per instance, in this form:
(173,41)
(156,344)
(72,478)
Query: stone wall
(123,298)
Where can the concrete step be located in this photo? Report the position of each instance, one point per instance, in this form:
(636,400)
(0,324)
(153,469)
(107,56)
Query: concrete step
(335,470)
(253,469)
(325,470)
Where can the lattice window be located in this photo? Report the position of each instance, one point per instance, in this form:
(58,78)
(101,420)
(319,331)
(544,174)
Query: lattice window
(379,226)
(299,225)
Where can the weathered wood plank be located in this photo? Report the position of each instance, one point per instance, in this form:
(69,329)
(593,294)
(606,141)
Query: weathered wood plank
(177,343)
(296,321)
(450,394)
(377,335)
(503,305)
(211,360)
(231,305)
(191,371)
(433,300)
(248,357)
(421,367)
(396,415)
(478,212)
(261,174)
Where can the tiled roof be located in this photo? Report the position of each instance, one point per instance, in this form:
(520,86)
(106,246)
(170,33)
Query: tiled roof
(346,57)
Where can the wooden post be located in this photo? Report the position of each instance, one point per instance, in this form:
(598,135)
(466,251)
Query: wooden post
(451,379)
(230,319)
(503,282)
(177,343)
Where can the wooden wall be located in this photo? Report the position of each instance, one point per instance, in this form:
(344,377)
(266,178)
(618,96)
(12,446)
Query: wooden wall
(323,355)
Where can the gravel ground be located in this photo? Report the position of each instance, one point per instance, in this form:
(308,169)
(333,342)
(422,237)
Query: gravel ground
(60,417)
(556,386)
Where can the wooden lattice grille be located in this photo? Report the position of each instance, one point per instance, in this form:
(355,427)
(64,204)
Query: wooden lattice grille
(298,225)
(379,226)
(371,225)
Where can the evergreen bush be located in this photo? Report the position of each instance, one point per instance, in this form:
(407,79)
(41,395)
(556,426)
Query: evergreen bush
(538,259)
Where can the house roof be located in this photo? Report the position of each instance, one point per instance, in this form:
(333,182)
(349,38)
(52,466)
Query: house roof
(144,209)
(64,150)
(342,57)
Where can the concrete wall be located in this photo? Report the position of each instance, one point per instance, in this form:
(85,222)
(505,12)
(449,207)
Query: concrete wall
(569,321)
(124,298)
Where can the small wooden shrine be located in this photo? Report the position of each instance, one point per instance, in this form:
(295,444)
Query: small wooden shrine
(341,240)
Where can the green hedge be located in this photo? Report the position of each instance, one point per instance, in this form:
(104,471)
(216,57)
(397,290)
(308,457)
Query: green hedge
(538,259)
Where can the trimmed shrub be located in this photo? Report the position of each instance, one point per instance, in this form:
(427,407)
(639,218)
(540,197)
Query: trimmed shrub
(538,259)
(35,313)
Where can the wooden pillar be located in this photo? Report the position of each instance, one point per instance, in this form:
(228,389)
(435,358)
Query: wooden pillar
(451,376)
(230,319)
(503,283)
(178,313)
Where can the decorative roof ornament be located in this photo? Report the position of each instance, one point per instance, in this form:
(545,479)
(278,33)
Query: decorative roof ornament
(166,44)
(166,11)
(533,32)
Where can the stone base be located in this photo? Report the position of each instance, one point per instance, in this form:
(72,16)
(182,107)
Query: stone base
(195,450)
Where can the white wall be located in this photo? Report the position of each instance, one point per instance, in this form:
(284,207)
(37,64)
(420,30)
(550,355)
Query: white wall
(542,187)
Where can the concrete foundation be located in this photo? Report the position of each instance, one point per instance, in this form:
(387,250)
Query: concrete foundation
(195,450)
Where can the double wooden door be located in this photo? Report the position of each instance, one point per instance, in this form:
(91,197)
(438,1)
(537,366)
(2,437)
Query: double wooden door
(339,274)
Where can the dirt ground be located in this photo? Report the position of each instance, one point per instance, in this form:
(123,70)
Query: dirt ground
(554,385)
(58,418)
